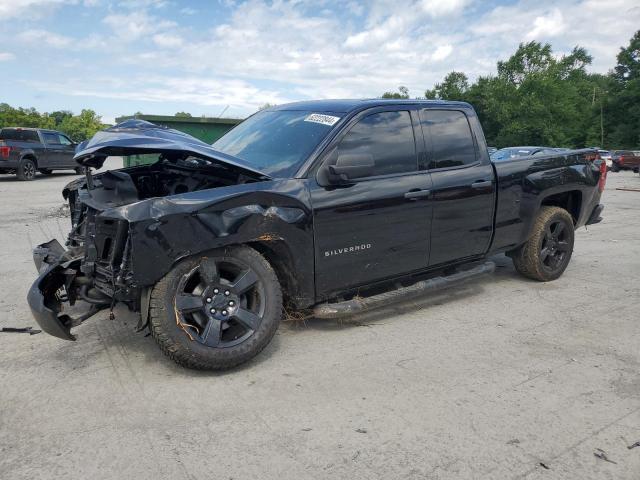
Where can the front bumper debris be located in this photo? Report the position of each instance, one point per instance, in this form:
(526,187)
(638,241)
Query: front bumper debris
(54,292)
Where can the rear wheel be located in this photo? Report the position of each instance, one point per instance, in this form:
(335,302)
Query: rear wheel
(615,168)
(547,253)
(216,311)
(26,169)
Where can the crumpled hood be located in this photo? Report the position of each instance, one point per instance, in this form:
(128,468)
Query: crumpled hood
(136,137)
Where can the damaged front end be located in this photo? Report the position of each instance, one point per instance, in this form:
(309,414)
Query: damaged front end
(112,209)
(58,288)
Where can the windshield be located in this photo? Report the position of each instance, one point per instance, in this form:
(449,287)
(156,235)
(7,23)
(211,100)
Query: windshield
(277,142)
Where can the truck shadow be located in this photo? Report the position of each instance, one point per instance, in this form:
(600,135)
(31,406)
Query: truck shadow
(130,350)
(298,323)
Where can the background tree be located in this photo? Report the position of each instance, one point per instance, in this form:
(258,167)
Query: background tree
(455,86)
(403,92)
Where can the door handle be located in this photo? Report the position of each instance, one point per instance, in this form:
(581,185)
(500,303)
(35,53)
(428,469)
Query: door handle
(416,194)
(482,184)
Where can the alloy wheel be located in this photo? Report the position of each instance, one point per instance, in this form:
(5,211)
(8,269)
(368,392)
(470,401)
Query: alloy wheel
(219,303)
(555,245)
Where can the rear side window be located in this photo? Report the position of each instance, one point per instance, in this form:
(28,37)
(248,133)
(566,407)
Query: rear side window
(51,138)
(388,138)
(451,139)
(19,135)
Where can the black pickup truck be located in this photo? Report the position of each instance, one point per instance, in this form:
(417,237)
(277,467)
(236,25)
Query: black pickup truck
(24,151)
(329,206)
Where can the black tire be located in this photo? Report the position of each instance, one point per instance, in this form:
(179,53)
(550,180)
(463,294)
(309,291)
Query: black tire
(545,256)
(26,169)
(615,168)
(45,171)
(199,314)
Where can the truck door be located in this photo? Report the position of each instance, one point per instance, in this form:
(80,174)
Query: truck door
(54,150)
(67,152)
(463,186)
(378,226)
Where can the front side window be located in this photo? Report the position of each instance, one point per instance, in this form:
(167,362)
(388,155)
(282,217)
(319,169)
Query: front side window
(451,138)
(64,140)
(388,138)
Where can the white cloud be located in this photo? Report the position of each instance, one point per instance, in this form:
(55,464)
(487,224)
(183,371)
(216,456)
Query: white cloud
(237,94)
(441,8)
(442,52)
(35,8)
(137,24)
(167,40)
(45,38)
(6,56)
(546,26)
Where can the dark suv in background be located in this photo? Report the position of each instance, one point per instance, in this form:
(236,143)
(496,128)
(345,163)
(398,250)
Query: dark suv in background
(24,151)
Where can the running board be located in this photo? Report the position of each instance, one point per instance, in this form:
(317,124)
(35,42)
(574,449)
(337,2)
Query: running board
(358,305)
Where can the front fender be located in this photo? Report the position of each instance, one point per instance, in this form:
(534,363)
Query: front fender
(173,230)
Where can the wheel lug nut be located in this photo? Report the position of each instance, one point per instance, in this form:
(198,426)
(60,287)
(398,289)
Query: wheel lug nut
(224,312)
(232,303)
(213,310)
(208,300)
(226,292)
(215,290)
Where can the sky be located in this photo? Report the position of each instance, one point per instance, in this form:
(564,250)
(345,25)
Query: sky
(230,57)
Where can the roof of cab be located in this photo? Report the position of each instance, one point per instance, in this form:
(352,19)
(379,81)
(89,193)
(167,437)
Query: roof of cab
(349,105)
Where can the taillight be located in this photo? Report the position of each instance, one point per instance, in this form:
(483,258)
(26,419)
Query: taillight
(5,151)
(603,176)
(621,159)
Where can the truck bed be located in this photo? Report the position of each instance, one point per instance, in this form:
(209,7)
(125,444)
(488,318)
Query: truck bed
(526,183)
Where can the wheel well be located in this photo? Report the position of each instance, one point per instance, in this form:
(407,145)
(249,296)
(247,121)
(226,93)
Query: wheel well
(32,158)
(571,201)
(279,257)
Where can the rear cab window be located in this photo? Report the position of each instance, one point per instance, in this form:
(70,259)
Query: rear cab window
(450,140)
(19,135)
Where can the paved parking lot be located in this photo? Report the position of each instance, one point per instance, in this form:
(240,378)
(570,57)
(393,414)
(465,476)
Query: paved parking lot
(503,378)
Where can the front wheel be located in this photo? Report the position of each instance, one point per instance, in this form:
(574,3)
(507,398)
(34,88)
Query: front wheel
(547,253)
(216,311)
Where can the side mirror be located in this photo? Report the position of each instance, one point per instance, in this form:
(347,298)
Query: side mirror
(351,166)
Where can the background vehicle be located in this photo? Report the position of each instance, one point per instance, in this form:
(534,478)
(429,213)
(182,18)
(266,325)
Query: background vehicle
(318,205)
(606,156)
(24,151)
(625,160)
(514,152)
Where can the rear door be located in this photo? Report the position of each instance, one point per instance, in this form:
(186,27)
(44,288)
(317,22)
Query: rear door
(376,227)
(463,185)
